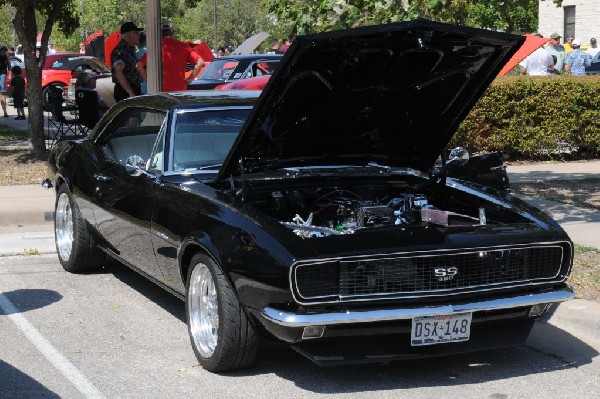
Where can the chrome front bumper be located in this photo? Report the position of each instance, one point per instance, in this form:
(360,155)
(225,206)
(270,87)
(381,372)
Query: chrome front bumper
(289,319)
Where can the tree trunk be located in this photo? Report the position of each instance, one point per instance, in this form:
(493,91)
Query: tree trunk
(36,112)
(26,27)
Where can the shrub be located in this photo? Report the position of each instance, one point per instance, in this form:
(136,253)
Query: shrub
(535,118)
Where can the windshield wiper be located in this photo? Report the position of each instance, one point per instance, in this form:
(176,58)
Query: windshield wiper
(217,165)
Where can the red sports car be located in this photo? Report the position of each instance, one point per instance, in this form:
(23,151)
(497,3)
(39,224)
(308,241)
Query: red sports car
(59,69)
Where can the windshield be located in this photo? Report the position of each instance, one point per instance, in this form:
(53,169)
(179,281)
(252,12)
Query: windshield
(219,69)
(202,138)
(80,64)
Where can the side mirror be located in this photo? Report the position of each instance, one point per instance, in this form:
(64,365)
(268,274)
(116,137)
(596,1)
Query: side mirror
(458,156)
(135,166)
(136,161)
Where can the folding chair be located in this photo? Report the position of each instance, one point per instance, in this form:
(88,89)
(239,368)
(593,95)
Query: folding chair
(87,109)
(57,124)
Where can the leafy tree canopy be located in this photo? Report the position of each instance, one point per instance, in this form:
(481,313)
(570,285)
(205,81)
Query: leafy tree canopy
(309,16)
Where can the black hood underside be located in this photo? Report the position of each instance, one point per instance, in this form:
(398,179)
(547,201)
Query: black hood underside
(392,94)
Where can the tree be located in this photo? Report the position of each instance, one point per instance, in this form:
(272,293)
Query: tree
(108,15)
(236,21)
(26,27)
(308,16)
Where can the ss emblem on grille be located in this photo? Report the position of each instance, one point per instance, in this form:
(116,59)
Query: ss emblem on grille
(445,273)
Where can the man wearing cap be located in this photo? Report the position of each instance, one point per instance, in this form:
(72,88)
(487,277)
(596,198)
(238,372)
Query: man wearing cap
(554,49)
(577,60)
(124,73)
(175,56)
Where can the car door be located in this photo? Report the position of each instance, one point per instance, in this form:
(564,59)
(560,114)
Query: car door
(125,192)
(199,142)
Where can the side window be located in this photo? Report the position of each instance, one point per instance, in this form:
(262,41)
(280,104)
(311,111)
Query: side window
(264,67)
(132,137)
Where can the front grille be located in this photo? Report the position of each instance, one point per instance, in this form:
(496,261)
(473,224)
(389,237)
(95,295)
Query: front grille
(425,274)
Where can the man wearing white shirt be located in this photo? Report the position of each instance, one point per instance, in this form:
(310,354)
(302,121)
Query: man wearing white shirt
(538,63)
(594,49)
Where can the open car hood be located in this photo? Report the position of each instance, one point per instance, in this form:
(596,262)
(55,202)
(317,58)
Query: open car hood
(391,94)
(250,44)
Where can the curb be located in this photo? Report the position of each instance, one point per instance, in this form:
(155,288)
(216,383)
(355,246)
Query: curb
(19,244)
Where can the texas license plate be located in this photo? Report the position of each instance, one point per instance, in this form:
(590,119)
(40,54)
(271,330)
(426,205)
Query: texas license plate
(431,330)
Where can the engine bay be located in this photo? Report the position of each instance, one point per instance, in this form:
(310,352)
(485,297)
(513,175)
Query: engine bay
(325,211)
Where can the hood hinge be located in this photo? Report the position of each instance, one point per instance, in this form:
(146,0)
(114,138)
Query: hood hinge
(243,190)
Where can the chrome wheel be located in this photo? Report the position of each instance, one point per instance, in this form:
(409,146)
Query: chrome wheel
(203,310)
(63,227)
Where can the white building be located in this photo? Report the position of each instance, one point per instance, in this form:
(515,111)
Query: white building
(579,18)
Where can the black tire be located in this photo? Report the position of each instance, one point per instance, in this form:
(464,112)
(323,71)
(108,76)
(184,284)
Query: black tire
(46,92)
(75,246)
(234,344)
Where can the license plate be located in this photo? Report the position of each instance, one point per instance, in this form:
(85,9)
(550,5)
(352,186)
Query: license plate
(431,330)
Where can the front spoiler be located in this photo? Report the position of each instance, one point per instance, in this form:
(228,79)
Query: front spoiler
(290,319)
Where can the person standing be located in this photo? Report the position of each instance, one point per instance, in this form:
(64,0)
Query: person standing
(142,49)
(175,56)
(124,73)
(286,45)
(51,49)
(4,65)
(594,49)
(275,45)
(577,60)
(553,49)
(568,44)
(538,63)
(17,91)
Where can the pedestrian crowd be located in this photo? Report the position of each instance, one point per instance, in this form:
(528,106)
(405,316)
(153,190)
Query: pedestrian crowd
(129,60)
(557,59)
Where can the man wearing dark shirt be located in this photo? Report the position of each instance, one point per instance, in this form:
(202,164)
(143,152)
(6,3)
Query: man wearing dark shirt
(124,73)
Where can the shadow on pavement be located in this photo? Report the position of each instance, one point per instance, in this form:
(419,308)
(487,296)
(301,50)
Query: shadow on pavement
(548,348)
(16,384)
(30,299)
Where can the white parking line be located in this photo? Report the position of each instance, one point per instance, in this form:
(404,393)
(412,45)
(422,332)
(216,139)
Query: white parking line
(61,363)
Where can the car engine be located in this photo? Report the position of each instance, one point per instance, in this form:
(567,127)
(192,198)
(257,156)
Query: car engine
(343,212)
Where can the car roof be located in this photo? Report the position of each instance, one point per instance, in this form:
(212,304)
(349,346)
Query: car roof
(193,99)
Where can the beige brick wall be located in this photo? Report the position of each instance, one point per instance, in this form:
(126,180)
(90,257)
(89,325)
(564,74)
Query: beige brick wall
(587,19)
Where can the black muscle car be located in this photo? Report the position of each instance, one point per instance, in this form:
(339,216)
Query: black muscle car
(315,212)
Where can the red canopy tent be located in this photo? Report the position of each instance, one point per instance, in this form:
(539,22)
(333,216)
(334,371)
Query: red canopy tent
(531,44)
(94,44)
(110,43)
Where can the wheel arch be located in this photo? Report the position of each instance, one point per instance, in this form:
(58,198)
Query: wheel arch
(60,179)
(191,247)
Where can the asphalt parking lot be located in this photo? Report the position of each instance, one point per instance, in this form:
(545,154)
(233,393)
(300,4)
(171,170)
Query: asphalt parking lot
(116,335)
